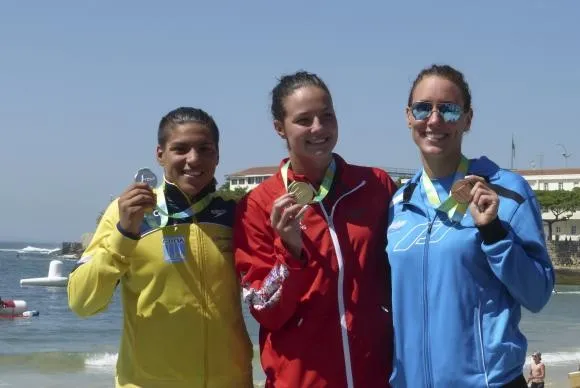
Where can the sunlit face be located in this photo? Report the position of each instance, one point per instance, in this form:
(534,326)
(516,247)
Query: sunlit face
(434,136)
(309,127)
(189,157)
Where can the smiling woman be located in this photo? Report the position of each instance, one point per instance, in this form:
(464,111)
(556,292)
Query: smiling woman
(466,250)
(170,249)
(313,268)
(188,149)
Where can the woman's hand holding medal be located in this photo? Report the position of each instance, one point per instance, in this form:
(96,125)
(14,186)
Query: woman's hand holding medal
(137,200)
(133,204)
(285,219)
(483,201)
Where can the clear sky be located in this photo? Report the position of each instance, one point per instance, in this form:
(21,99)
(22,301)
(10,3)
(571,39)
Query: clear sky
(83,85)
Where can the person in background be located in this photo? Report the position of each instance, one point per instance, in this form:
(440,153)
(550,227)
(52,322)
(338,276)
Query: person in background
(311,256)
(466,248)
(537,371)
(182,319)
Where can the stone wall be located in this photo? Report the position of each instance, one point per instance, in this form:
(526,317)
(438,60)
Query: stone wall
(565,253)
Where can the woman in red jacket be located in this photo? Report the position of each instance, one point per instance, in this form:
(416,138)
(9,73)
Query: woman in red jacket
(310,248)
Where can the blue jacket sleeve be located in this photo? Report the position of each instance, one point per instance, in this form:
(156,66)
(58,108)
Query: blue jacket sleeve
(520,260)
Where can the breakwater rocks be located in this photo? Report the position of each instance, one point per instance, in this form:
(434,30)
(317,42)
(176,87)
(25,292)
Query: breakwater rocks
(72,249)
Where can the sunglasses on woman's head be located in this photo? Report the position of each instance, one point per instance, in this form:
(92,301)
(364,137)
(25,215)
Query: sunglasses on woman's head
(450,112)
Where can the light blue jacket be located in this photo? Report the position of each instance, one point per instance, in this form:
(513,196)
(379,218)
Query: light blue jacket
(456,298)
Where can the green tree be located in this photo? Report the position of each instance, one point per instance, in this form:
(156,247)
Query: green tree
(226,193)
(561,203)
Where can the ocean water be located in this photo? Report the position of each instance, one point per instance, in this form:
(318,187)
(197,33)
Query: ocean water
(59,349)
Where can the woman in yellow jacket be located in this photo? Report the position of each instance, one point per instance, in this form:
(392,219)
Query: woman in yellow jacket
(183,325)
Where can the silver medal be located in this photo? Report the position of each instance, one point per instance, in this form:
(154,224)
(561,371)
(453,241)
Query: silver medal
(145,175)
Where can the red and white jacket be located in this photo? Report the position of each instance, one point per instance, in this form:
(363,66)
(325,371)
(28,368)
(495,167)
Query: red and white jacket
(325,318)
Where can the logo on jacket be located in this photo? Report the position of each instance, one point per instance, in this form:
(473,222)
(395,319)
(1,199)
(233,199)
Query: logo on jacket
(396,225)
(218,212)
(417,236)
(174,249)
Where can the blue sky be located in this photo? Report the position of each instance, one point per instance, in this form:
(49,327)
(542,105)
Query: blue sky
(84,84)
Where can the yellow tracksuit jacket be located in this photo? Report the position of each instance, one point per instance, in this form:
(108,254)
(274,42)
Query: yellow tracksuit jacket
(182,324)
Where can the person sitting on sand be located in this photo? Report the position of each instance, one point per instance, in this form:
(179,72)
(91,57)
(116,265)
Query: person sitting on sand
(537,371)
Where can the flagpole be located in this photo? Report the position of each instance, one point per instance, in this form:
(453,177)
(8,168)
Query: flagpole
(513,152)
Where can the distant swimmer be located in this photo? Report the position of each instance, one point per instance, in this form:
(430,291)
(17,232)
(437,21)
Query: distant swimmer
(537,371)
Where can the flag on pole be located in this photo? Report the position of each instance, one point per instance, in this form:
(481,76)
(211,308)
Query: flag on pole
(513,152)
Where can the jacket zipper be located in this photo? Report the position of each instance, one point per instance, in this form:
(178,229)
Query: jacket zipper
(428,378)
(340,290)
(426,347)
(480,340)
(201,262)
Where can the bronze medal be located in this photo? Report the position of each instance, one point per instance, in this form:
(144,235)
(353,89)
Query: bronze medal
(301,191)
(461,191)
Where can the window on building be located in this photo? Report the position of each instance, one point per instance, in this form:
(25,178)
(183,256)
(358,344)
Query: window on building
(576,184)
(546,186)
(251,180)
(234,182)
(558,230)
(560,185)
(241,181)
(573,229)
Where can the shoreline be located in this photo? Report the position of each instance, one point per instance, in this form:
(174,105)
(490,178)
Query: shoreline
(567,275)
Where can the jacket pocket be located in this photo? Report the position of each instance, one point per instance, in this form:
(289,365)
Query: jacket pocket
(480,348)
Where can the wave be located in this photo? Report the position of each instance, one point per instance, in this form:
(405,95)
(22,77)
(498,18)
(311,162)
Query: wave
(30,250)
(41,251)
(566,292)
(103,360)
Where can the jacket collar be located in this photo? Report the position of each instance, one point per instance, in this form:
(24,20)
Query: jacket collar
(343,180)
(482,167)
(177,200)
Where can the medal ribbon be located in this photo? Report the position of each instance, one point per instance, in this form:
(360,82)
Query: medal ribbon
(324,186)
(455,211)
(161,208)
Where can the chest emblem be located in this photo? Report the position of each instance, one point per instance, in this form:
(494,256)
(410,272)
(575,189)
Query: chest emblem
(174,249)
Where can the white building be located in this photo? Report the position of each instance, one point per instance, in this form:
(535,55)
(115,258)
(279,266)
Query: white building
(557,179)
(252,177)
(544,179)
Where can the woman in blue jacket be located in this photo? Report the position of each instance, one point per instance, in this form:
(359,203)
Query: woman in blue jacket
(466,248)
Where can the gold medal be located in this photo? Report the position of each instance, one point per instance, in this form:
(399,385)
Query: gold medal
(302,192)
(461,191)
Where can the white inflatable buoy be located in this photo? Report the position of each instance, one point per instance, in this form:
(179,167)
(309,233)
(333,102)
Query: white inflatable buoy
(54,278)
(11,308)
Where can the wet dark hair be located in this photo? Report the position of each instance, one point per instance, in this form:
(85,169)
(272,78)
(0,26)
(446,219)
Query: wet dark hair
(287,84)
(185,115)
(450,74)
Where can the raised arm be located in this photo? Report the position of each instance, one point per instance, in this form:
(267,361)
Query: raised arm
(517,253)
(104,262)
(273,279)
(106,259)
